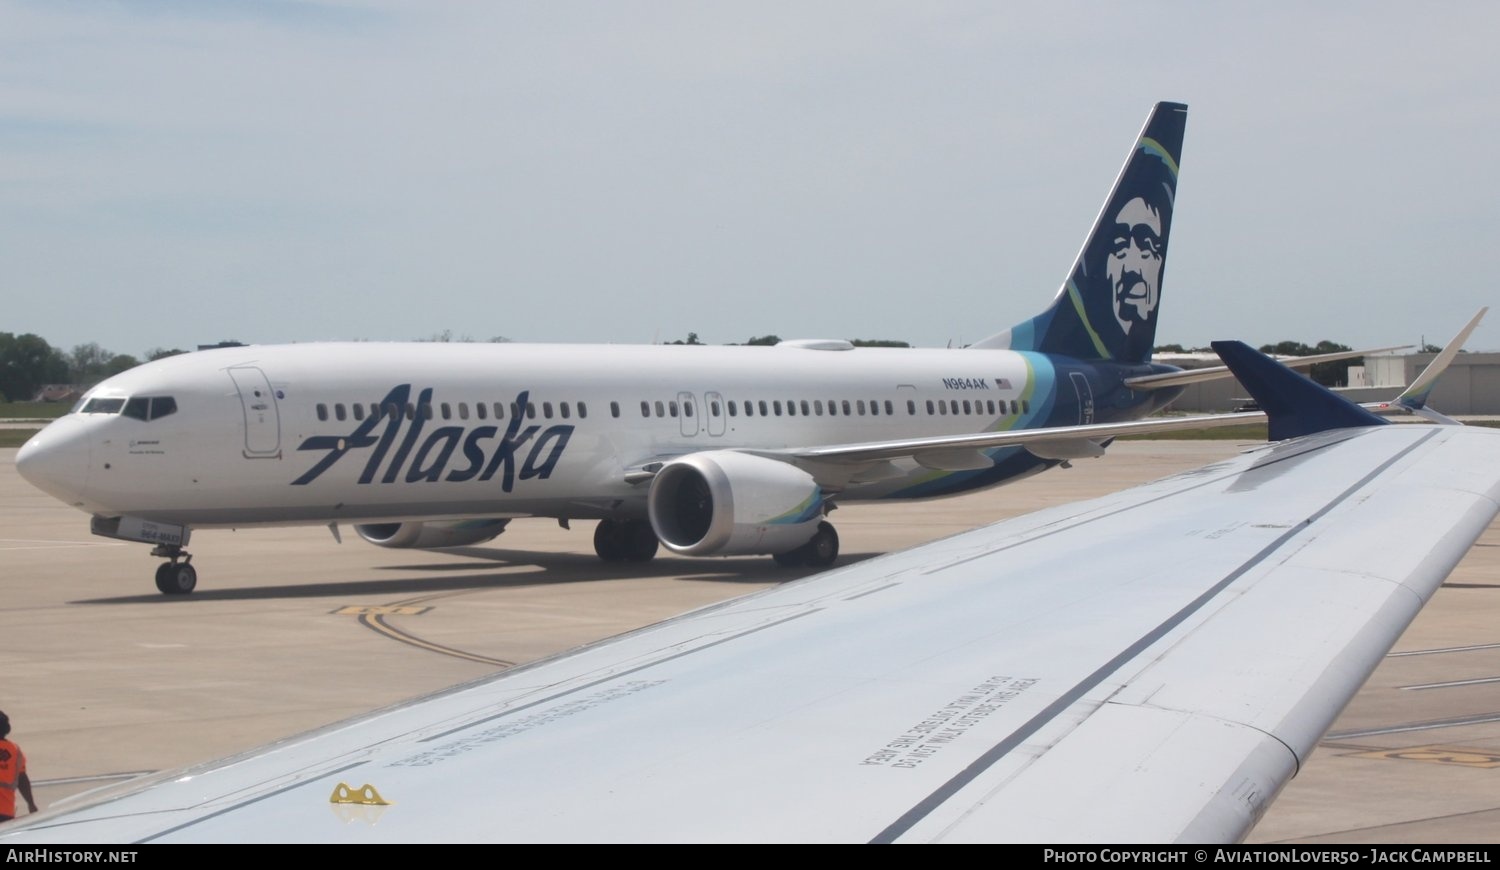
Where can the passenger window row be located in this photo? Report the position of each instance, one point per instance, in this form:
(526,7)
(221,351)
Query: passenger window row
(453,410)
(657,408)
(836,407)
(985,407)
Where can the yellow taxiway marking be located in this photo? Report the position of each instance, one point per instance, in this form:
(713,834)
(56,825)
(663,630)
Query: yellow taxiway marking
(373,616)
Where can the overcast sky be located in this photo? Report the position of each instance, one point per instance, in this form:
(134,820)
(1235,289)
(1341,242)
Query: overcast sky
(177,172)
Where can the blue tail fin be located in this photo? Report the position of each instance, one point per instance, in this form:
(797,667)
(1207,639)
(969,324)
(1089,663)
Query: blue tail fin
(1107,307)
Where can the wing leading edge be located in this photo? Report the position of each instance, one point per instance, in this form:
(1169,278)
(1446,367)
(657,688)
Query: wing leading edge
(1102,671)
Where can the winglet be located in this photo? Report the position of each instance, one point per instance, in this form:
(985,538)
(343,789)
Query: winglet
(1414,397)
(1294,404)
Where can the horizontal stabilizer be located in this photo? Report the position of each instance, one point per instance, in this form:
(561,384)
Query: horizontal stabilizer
(1293,404)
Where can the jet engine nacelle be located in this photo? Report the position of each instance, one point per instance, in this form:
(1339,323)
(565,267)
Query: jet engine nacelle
(430,535)
(728,503)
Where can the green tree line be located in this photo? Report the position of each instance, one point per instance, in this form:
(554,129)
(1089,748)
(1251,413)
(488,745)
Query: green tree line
(28,363)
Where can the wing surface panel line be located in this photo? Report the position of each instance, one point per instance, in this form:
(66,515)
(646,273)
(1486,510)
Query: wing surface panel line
(930,803)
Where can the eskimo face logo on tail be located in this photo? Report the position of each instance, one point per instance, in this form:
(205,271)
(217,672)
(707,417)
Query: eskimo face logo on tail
(411,463)
(1134,263)
(1121,273)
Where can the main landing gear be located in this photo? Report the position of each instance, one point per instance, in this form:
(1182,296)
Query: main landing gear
(819,552)
(625,541)
(175,577)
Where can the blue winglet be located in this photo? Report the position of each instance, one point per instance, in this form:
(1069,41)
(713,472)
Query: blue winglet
(1294,404)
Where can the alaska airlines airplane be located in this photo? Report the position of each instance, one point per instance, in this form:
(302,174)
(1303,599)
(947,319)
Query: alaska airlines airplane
(708,450)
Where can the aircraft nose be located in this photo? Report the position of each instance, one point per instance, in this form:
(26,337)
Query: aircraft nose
(56,460)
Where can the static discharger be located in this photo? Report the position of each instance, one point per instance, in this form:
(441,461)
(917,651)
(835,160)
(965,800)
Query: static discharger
(364,796)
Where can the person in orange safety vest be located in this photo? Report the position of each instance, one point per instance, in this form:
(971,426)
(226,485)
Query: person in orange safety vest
(13,776)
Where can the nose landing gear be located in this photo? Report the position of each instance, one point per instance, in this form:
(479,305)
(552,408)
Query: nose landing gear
(175,577)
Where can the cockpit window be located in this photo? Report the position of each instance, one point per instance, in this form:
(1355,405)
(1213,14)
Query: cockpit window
(140,407)
(102,406)
(146,407)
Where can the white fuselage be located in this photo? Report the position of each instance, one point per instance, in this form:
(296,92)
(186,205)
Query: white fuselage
(364,431)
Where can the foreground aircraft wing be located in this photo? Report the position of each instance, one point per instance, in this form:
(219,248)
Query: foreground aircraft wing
(1149,666)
